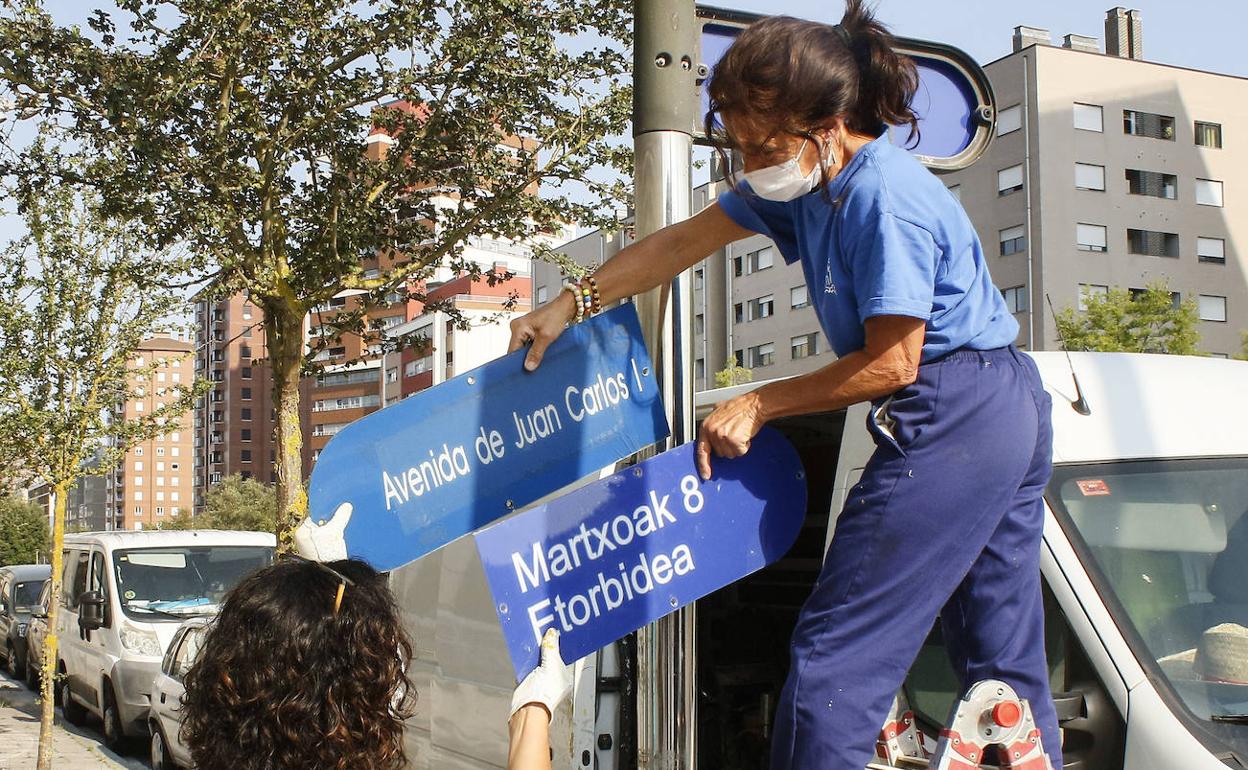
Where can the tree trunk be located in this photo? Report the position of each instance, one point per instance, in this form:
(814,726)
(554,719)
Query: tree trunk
(46,689)
(284,330)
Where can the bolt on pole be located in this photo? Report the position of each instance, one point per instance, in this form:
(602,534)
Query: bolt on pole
(665,106)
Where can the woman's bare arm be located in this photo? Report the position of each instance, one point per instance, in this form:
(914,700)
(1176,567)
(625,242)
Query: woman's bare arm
(645,264)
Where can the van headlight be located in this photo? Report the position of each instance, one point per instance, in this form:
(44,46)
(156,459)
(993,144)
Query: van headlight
(139,641)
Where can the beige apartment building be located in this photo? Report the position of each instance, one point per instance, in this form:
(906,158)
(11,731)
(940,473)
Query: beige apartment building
(154,483)
(1111,171)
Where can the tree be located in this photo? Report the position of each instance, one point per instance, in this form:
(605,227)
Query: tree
(1243,351)
(239,129)
(1140,322)
(236,503)
(77,303)
(23,532)
(733,374)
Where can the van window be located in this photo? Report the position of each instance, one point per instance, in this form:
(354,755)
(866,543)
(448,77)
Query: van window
(97,581)
(180,581)
(75,577)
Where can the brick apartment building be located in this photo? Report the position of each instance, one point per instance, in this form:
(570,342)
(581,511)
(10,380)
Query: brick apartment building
(154,482)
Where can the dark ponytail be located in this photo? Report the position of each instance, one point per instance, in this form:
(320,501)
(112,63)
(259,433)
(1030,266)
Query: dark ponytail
(794,75)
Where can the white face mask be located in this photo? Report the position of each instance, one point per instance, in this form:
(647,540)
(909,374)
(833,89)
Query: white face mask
(781,183)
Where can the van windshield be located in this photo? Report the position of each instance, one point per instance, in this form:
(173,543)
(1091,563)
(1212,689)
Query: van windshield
(1170,541)
(26,595)
(174,583)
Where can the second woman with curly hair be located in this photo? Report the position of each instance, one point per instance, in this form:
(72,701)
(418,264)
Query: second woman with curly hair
(304,668)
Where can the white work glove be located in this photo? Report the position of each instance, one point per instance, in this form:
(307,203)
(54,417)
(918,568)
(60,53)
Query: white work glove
(549,683)
(324,541)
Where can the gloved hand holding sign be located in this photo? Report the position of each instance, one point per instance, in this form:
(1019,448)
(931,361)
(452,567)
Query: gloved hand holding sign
(533,705)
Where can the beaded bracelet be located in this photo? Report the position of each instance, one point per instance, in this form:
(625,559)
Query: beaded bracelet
(596,296)
(578,310)
(586,299)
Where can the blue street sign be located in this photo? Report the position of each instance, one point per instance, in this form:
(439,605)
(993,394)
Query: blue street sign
(954,101)
(610,557)
(455,457)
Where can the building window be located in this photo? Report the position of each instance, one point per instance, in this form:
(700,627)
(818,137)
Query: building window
(174,451)
(245,372)
(245,394)
(1211,250)
(1090,237)
(1013,240)
(173,466)
(1009,120)
(247,311)
(1089,117)
(138,451)
(1208,192)
(699,279)
(1089,176)
(1015,298)
(956,191)
(244,434)
(799,296)
(1152,243)
(1148,124)
(160,451)
(1212,308)
(327,429)
(699,324)
(1010,180)
(138,465)
(160,466)
(739,357)
(245,455)
(541,295)
(1209,135)
(244,351)
(1089,290)
(160,510)
(1152,183)
(763,307)
(804,346)
(1175,298)
(762,259)
(762,355)
(138,406)
(738,266)
(138,494)
(160,481)
(738,313)
(244,414)
(160,497)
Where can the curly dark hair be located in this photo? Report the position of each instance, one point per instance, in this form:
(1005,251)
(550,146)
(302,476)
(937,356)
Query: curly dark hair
(283,683)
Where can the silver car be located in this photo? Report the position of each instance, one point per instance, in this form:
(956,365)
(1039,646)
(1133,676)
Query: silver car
(164,716)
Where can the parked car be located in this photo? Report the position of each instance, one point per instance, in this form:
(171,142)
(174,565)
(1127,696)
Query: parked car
(35,635)
(125,595)
(165,717)
(19,590)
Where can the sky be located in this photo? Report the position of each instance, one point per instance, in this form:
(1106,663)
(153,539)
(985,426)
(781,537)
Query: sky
(1199,34)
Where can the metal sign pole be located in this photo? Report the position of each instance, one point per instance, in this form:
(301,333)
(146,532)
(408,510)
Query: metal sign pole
(664,114)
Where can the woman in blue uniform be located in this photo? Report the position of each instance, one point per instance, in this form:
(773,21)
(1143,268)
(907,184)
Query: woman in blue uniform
(947,518)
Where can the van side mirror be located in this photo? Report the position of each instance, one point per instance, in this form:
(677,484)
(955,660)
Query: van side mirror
(38,611)
(91,611)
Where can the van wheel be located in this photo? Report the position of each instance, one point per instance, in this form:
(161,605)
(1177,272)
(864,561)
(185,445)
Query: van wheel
(73,711)
(114,735)
(14,665)
(160,752)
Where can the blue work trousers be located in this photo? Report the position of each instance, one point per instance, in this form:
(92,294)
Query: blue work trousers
(946,521)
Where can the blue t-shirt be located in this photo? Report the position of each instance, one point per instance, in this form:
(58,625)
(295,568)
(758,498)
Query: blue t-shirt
(891,241)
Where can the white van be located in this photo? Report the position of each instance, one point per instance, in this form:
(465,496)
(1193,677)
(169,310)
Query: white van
(125,594)
(1145,549)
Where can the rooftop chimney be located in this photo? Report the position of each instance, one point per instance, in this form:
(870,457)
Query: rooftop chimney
(1081,43)
(1025,36)
(1124,35)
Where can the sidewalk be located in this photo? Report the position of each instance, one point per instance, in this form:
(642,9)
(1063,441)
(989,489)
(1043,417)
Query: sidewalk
(75,747)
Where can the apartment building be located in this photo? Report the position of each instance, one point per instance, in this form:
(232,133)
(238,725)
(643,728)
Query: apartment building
(234,423)
(1112,171)
(154,482)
